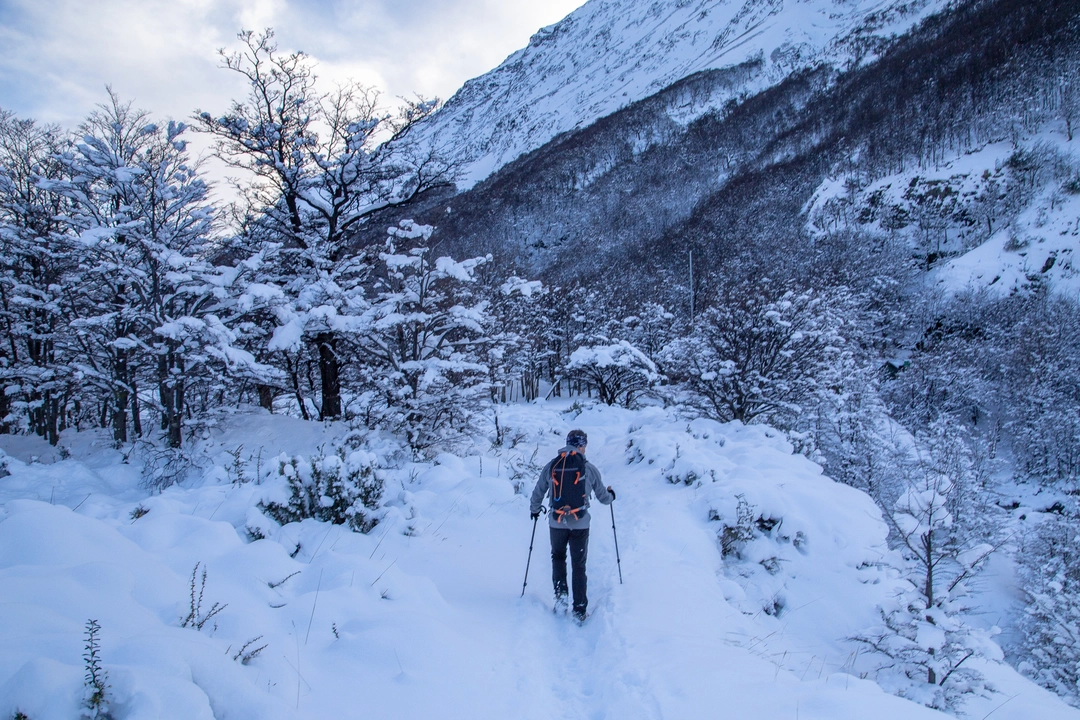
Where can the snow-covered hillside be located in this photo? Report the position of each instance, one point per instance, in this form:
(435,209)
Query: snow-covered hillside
(422,618)
(997,218)
(610,53)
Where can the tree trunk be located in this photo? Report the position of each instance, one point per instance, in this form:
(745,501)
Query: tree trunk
(294,375)
(5,410)
(171,391)
(120,399)
(328,372)
(52,412)
(176,425)
(266,397)
(136,416)
(928,559)
(120,369)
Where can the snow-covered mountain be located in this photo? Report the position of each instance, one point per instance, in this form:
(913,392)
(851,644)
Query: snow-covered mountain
(610,53)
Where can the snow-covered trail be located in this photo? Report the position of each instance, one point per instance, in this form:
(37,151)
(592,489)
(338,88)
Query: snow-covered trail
(665,644)
(422,617)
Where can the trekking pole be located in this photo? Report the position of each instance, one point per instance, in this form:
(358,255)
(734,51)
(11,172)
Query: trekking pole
(618,560)
(529,561)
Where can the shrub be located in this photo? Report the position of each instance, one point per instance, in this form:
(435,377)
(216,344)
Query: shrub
(96,705)
(341,488)
(733,537)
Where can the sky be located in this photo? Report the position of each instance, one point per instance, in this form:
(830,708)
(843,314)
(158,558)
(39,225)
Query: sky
(57,56)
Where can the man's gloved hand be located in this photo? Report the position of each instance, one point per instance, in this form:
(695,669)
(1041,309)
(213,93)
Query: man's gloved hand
(534,515)
(611,491)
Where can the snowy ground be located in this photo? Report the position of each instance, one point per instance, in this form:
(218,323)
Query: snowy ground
(421,618)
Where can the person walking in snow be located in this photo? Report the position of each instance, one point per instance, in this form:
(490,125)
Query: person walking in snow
(568,480)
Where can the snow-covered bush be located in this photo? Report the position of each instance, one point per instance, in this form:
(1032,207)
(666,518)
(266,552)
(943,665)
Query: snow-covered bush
(342,488)
(618,372)
(1049,573)
(736,532)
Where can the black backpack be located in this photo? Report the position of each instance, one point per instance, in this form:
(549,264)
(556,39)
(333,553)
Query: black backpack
(568,485)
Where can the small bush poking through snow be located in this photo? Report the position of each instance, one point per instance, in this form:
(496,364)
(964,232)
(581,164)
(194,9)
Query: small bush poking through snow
(195,617)
(341,488)
(246,653)
(164,467)
(734,537)
(97,679)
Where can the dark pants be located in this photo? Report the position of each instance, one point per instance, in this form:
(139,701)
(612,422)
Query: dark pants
(578,540)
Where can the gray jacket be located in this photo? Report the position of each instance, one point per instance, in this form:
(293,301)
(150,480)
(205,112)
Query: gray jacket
(593,484)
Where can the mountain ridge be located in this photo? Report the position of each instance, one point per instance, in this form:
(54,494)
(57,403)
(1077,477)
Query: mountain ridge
(610,53)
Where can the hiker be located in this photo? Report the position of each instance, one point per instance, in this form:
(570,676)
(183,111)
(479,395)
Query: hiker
(569,479)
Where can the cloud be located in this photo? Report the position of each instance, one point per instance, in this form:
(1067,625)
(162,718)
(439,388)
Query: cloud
(57,56)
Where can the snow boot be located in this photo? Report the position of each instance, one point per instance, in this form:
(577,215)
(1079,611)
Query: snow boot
(580,615)
(561,605)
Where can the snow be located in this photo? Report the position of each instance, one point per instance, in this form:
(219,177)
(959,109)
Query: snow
(422,617)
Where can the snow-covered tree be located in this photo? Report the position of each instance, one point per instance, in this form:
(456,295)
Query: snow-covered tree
(1041,356)
(756,354)
(519,351)
(422,340)
(847,428)
(148,301)
(618,372)
(104,181)
(923,639)
(1049,573)
(649,328)
(319,165)
(36,256)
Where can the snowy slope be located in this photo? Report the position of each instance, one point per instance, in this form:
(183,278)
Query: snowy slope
(1032,237)
(422,618)
(610,53)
